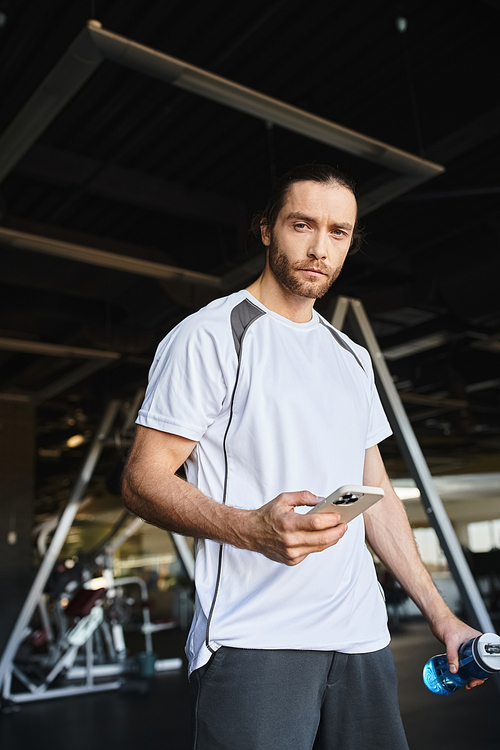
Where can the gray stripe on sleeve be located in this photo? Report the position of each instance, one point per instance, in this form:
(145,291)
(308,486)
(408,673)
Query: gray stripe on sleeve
(242,316)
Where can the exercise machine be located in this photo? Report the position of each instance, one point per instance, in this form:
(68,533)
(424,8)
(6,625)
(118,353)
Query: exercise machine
(69,637)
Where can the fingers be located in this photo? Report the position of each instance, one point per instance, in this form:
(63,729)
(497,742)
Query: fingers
(452,631)
(321,539)
(291,500)
(289,537)
(297,546)
(319,521)
(474,683)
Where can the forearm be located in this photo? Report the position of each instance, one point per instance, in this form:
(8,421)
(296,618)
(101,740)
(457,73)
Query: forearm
(165,500)
(391,538)
(389,533)
(152,490)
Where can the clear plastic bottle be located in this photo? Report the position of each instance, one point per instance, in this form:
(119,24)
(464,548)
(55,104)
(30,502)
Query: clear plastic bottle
(479,657)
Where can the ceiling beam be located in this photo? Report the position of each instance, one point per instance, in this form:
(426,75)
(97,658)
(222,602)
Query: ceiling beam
(55,350)
(70,251)
(99,242)
(198,81)
(490,344)
(467,137)
(417,345)
(462,140)
(420,399)
(67,381)
(22,398)
(97,360)
(82,59)
(94,44)
(66,78)
(55,166)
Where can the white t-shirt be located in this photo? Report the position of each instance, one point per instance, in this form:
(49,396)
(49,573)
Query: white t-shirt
(275,406)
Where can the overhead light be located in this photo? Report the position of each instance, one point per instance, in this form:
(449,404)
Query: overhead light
(401,24)
(74,441)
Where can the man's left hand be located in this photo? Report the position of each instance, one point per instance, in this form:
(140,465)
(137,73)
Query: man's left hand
(453,632)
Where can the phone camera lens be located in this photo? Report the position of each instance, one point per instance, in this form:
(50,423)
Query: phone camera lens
(347,499)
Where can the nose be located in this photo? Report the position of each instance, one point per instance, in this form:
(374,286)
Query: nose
(318,247)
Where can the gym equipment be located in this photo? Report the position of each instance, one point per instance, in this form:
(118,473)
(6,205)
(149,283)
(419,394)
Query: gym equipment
(80,618)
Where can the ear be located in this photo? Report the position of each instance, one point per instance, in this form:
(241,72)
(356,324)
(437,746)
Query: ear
(265,233)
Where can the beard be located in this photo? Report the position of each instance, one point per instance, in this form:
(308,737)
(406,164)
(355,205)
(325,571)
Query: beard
(286,274)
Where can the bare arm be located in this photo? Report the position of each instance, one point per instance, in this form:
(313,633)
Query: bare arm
(153,491)
(391,538)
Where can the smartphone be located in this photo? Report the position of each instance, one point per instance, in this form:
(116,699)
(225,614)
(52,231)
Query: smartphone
(349,501)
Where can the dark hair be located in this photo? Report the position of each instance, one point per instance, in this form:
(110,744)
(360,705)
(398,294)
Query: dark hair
(305,172)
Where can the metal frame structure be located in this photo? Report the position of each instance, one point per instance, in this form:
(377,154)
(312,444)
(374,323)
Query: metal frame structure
(84,56)
(82,59)
(83,254)
(35,598)
(350,313)
(94,44)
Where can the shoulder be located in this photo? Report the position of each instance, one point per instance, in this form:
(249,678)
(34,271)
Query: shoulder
(216,313)
(210,326)
(348,344)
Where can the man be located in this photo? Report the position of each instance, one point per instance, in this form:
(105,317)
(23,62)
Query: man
(271,409)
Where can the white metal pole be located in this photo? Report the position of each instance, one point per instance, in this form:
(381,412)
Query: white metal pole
(417,465)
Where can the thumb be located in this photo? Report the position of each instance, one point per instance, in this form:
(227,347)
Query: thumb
(304,497)
(452,657)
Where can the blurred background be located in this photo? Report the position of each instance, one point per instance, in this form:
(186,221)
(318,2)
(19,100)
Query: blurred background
(100,182)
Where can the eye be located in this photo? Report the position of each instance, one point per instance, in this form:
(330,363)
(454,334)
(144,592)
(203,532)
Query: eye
(300,225)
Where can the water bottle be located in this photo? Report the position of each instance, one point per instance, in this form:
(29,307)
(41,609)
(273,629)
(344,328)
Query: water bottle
(479,657)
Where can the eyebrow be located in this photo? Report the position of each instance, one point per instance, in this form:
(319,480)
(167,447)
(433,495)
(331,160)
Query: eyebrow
(303,217)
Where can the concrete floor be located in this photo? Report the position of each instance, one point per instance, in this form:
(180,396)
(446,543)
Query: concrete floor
(158,719)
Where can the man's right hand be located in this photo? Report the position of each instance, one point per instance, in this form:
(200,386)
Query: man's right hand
(282,535)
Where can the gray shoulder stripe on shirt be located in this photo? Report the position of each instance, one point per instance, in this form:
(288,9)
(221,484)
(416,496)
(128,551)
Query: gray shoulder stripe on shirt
(342,343)
(242,316)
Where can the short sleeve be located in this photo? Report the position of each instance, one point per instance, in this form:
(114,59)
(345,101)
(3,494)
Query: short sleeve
(378,425)
(186,388)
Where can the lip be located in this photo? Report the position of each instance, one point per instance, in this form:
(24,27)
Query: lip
(312,272)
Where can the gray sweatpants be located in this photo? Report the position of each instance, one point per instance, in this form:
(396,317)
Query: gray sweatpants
(245,699)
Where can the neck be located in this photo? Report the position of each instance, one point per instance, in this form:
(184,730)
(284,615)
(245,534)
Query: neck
(277,298)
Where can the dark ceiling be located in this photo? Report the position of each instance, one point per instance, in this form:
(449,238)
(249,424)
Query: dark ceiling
(136,167)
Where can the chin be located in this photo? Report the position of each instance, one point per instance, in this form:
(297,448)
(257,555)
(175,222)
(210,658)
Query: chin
(311,289)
